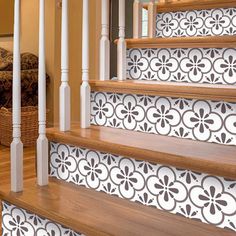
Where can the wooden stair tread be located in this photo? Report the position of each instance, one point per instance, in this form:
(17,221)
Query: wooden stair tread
(188,5)
(170,89)
(183,42)
(203,157)
(98,214)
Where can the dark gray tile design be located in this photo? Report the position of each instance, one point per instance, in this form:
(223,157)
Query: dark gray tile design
(209,66)
(213,22)
(19,222)
(184,118)
(198,196)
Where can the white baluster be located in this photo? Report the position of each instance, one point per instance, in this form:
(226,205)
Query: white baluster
(42,142)
(121,46)
(85,90)
(16,145)
(151,19)
(137,19)
(65,109)
(105,43)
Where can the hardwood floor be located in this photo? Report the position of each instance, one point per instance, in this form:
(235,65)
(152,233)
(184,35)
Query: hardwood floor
(29,167)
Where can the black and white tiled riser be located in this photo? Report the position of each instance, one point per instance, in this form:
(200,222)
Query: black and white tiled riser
(184,118)
(198,196)
(209,66)
(214,22)
(19,222)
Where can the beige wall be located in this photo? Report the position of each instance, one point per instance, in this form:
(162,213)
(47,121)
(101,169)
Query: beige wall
(6,17)
(29,26)
(7,43)
(75,58)
(29,39)
(6,23)
(29,42)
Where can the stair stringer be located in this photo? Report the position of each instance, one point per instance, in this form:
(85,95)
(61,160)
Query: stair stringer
(178,191)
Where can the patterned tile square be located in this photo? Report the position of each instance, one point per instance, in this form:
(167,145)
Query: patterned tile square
(19,222)
(208,66)
(199,120)
(213,22)
(212,66)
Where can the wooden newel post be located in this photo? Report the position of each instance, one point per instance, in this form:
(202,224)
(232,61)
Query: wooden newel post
(16,145)
(151,19)
(105,43)
(85,90)
(121,46)
(137,19)
(42,142)
(65,103)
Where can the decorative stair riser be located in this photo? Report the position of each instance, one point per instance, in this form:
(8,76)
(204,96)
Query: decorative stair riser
(213,22)
(212,66)
(197,65)
(17,221)
(209,199)
(199,120)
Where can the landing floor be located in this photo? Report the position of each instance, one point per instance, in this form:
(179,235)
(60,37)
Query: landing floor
(29,166)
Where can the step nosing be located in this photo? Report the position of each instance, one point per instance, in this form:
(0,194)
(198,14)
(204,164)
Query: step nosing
(198,156)
(83,202)
(169,89)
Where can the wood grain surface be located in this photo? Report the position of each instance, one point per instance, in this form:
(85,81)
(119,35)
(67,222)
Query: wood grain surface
(168,89)
(183,42)
(198,156)
(29,168)
(98,214)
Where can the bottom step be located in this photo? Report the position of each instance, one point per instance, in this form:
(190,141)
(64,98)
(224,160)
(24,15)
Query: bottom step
(17,221)
(95,213)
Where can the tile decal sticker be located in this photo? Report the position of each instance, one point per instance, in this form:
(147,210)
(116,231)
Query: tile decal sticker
(198,196)
(209,66)
(214,22)
(16,221)
(184,118)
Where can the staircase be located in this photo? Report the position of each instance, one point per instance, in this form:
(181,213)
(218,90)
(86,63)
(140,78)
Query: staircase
(159,155)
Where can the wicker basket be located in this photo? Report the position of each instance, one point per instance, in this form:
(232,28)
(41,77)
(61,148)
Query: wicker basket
(29,126)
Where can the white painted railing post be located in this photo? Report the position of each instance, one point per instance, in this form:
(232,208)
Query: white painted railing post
(137,19)
(85,90)
(42,142)
(105,42)
(151,19)
(16,145)
(121,46)
(65,107)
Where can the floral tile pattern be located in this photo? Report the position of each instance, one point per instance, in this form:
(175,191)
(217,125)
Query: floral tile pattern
(214,22)
(198,196)
(19,222)
(184,118)
(210,66)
